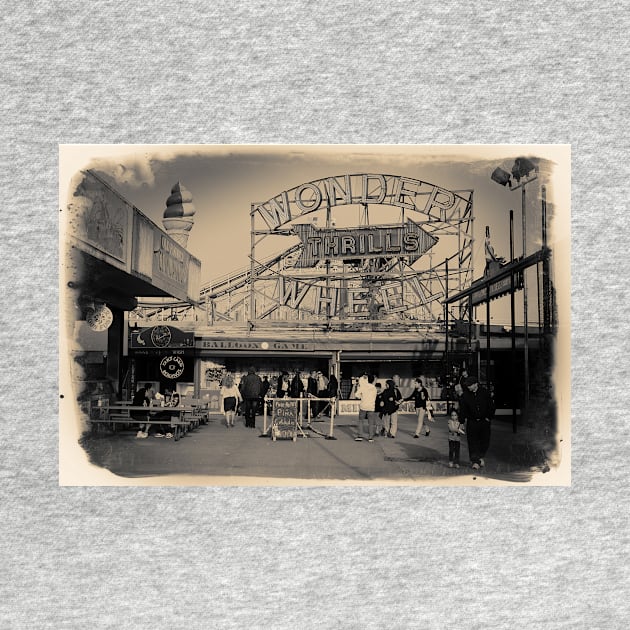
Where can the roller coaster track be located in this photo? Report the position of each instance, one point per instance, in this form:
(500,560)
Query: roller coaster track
(237,280)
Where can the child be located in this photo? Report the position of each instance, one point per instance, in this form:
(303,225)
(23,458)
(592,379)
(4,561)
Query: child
(455,431)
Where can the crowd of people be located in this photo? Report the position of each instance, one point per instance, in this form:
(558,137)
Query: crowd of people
(470,415)
(248,397)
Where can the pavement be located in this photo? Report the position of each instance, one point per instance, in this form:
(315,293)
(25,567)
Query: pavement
(213,454)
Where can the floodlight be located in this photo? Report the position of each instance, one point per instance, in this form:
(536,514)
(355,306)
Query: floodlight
(500,176)
(522,168)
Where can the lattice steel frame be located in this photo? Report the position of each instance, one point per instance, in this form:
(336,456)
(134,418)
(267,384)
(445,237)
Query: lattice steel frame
(273,290)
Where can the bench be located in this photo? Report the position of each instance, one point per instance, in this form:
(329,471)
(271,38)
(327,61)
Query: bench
(199,414)
(120,414)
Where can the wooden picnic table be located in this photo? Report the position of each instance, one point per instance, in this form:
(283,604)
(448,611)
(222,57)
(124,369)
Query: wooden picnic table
(182,417)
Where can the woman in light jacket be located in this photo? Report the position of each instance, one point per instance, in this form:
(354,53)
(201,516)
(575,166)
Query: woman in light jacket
(229,399)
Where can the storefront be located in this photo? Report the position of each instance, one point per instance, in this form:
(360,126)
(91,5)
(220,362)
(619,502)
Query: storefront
(115,255)
(163,356)
(347,356)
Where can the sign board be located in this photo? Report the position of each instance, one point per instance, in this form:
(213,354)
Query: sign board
(249,344)
(109,228)
(404,241)
(440,407)
(171,264)
(172,367)
(362,188)
(100,218)
(351,407)
(160,336)
(284,419)
(498,289)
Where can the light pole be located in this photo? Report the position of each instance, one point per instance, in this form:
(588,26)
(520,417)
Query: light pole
(521,170)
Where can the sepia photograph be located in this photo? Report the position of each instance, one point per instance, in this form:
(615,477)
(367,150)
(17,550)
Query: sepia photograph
(309,315)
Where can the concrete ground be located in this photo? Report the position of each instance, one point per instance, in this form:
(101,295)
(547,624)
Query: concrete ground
(214,454)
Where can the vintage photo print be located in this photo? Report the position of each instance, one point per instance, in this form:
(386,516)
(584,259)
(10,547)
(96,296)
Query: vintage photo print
(314,315)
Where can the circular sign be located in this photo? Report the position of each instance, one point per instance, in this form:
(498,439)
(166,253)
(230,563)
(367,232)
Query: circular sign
(100,318)
(161,336)
(172,367)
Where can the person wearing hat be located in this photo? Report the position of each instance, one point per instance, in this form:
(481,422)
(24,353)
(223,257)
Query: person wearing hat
(476,408)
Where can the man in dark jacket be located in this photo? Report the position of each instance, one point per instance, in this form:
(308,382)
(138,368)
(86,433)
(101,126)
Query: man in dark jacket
(332,391)
(296,388)
(311,392)
(251,388)
(477,409)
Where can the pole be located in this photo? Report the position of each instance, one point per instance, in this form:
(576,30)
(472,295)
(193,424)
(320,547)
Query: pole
(328,313)
(470,326)
(488,336)
(526,337)
(546,275)
(446,322)
(330,435)
(512,324)
(252,303)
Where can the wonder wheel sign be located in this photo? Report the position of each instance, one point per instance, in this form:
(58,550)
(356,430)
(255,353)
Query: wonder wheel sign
(347,248)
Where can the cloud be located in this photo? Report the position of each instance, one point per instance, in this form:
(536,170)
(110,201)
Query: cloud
(136,171)
(139,166)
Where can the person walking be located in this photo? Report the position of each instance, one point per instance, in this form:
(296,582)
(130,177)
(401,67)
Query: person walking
(476,408)
(250,387)
(366,393)
(455,432)
(420,397)
(392,399)
(229,399)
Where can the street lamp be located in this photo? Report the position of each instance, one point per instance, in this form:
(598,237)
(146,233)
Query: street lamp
(524,171)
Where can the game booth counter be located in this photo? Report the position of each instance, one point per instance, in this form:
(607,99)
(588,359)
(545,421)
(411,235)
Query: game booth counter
(194,364)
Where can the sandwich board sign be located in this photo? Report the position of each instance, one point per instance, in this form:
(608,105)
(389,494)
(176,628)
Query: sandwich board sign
(284,421)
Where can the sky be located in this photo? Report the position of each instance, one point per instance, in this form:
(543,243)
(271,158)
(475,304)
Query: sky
(225,180)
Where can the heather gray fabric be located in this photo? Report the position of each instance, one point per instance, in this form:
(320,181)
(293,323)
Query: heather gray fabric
(271,72)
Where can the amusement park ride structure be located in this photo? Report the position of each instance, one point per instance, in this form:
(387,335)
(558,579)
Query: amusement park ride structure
(316,259)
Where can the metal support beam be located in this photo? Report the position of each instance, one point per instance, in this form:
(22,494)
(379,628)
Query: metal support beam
(512,324)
